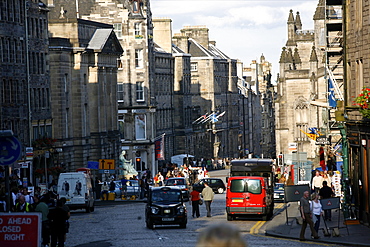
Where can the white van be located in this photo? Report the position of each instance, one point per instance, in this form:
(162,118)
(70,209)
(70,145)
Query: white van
(76,187)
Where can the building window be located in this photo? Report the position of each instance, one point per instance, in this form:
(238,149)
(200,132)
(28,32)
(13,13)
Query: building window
(137,30)
(139,91)
(118,29)
(194,67)
(120,92)
(139,58)
(140,127)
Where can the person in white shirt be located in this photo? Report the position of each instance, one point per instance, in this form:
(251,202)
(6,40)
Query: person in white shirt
(316,182)
(316,210)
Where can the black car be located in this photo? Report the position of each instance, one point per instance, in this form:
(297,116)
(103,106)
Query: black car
(216,184)
(165,206)
(180,182)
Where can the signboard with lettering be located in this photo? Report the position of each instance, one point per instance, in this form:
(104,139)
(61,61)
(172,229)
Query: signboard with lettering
(322,140)
(20,229)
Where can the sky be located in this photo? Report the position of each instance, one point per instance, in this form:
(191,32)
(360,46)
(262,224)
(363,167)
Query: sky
(242,29)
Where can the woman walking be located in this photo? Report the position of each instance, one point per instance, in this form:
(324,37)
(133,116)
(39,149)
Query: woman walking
(195,197)
(316,210)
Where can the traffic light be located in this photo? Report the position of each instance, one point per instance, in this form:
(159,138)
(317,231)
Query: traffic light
(138,163)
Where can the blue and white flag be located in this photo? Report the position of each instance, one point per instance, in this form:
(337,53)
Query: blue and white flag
(331,96)
(214,118)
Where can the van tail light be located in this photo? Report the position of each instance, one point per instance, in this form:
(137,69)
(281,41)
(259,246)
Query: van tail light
(264,202)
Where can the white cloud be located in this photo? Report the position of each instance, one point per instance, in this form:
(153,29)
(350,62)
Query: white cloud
(242,29)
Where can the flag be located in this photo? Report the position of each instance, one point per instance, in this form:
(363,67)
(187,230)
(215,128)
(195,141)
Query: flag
(200,118)
(221,114)
(214,118)
(331,96)
(313,136)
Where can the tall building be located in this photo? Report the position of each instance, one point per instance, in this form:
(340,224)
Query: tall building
(301,89)
(83,67)
(354,116)
(24,76)
(132,24)
(262,137)
(213,90)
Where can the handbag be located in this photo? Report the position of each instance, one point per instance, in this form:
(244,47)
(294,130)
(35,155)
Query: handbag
(200,202)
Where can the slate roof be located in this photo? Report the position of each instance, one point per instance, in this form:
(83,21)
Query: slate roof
(99,39)
(176,49)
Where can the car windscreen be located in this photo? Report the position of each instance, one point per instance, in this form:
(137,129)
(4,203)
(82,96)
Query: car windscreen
(175,182)
(246,185)
(279,187)
(166,196)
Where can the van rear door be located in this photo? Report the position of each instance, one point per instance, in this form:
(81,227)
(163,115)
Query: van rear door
(245,195)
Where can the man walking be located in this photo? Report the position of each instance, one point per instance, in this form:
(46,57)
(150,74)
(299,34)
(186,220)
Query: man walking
(325,193)
(207,194)
(306,214)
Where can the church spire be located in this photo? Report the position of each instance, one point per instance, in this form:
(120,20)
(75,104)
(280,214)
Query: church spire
(291,30)
(298,22)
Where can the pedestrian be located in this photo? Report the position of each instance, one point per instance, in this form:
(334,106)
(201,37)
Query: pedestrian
(207,194)
(104,191)
(316,182)
(142,187)
(42,207)
(316,211)
(160,179)
(221,235)
(112,186)
(306,214)
(66,208)
(195,198)
(325,193)
(57,219)
(22,205)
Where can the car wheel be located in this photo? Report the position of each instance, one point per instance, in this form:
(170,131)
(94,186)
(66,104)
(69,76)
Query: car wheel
(230,217)
(149,224)
(220,190)
(183,225)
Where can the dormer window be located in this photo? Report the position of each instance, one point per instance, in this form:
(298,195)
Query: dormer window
(136,4)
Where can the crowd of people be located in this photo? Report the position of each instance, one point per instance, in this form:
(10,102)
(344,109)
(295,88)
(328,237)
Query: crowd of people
(54,213)
(311,210)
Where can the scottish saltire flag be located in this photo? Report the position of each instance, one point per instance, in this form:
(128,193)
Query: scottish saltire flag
(213,118)
(331,96)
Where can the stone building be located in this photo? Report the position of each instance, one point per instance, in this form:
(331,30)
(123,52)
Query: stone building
(353,119)
(132,24)
(83,68)
(258,77)
(213,90)
(301,90)
(24,75)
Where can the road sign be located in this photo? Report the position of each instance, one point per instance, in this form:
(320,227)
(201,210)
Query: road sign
(10,150)
(20,229)
(29,153)
(106,164)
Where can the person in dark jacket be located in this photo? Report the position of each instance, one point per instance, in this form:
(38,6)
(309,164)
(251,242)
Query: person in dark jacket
(325,193)
(57,220)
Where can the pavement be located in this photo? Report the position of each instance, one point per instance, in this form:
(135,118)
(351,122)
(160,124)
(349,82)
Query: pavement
(285,225)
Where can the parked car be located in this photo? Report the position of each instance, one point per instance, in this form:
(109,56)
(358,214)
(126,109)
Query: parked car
(132,188)
(279,192)
(165,206)
(182,183)
(216,184)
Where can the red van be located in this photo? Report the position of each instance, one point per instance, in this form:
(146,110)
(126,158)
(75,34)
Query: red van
(247,195)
